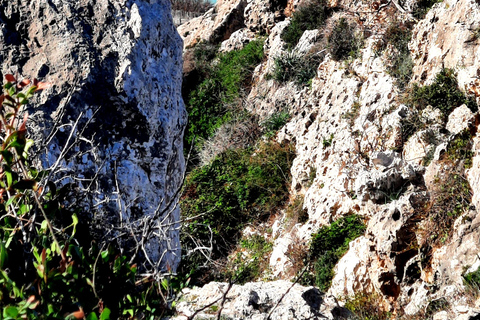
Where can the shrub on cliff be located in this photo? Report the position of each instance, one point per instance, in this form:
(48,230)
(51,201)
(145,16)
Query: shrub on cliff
(309,16)
(343,42)
(328,245)
(298,68)
(443,94)
(239,187)
(50,267)
(222,82)
(399,64)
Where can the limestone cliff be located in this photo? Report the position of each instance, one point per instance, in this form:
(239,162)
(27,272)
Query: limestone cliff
(354,154)
(113,121)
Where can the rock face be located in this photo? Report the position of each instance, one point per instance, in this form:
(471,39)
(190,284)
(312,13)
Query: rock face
(348,129)
(258,301)
(116,71)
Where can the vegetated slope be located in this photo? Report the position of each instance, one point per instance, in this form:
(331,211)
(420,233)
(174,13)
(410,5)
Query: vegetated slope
(382,109)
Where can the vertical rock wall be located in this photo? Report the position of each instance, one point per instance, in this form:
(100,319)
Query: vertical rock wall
(116,68)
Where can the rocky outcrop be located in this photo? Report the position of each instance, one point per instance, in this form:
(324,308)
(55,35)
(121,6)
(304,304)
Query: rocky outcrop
(259,301)
(353,156)
(113,120)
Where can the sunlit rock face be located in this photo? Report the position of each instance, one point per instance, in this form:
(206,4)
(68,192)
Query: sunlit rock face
(114,112)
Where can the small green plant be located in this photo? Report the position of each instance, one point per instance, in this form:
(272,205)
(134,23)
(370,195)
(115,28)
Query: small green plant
(328,245)
(312,175)
(295,213)
(460,148)
(309,16)
(327,142)
(295,67)
(398,35)
(452,193)
(343,43)
(274,122)
(251,268)
(353,113)
(367,307)
(472,279)
(443,94)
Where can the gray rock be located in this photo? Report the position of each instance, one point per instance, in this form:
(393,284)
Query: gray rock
(116,71)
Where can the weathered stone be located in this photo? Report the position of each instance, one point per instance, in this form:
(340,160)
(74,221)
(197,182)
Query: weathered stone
(258,299)
(460,119)
(237,40)
(116,73)
(216,25)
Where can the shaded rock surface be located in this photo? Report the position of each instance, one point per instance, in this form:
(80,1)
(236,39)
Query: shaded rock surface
(116,70)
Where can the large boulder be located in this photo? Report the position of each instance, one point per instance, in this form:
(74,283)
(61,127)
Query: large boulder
(114,118)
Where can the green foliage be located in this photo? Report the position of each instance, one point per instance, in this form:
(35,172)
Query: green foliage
(353,113)
(307,17)
(274,122)
(422,7)
(460,148)
(443,94)
(367,307)
(472,279)
(398,35)
(328,245)
(451,197)
(342,42)
(238,187)
(294,67)
(327,142)
(250,269)
(50,268)
(223,78)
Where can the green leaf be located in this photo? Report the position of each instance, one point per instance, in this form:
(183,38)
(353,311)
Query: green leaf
(9,176)
(74,224)
(105,254)
(28,144)
(92,316)
(24,208)
(10,312)
(3,254)
(105,314)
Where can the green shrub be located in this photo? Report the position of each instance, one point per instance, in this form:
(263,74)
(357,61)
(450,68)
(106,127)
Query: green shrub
(398,35)
(222,82)
(460,148)
(50,265)
(472,279)
(310,16)
(240,186)
(328,245)
(443,94)
(342,42)
(294,67)
(274,122)
(367,307)
(257,261)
